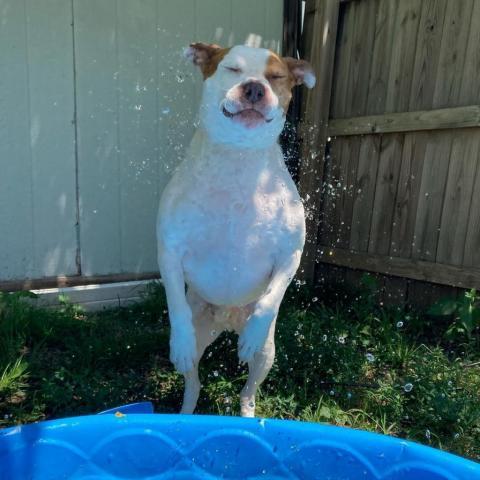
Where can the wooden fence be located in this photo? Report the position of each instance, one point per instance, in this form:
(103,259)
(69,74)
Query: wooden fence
(391,142)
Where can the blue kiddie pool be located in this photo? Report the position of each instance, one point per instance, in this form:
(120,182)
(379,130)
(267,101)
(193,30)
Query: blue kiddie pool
(123,445)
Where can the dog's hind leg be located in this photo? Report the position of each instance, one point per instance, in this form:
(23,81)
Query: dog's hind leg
(258,369)
(205,333)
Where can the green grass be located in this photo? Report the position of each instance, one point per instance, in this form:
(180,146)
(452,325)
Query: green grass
(349,362)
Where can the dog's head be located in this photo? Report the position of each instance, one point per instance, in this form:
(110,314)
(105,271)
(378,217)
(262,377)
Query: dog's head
(246,92)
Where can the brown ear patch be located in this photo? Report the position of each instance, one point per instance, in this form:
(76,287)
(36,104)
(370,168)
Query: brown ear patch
(206,56)
(301,70)
(281,79)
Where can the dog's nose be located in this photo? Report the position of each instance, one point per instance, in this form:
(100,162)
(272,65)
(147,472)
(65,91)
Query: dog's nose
(253,91)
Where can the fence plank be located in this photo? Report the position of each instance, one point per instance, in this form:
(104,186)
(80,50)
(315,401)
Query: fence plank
(315,121)
(432,191)
(343,53)
(385,193)
(366,184)
(361,56)
(403,55)
(338,192)
(402,267)
(444,118)
(330,208)
(348,188)
(381,57)
(472,241)
(457,198)
(452,53)
(383,232)
(406,203)
(470,89)
(427,54)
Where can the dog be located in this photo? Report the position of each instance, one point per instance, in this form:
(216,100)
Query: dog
(231,225)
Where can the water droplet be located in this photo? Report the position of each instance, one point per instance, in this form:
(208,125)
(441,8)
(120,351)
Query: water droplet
(370,358)
(315,299)
(332,393)
(341,339)
(180,78)
(215,373)
(399,324)
(408,387)
(165,110)
(428,434)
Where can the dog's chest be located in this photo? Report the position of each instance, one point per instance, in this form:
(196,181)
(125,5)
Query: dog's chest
(240,213)
(232,221)
(234,226)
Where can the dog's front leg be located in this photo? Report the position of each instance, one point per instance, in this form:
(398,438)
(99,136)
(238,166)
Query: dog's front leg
(183,350)
(254,335)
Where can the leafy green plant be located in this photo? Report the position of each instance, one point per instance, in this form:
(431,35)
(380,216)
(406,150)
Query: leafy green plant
(13,377)
(465,312)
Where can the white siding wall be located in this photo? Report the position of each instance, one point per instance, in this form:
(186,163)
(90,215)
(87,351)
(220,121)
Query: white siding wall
(136,101)
(37,161)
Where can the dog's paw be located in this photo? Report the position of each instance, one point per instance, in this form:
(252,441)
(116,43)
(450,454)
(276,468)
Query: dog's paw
(183,349)
(253,338)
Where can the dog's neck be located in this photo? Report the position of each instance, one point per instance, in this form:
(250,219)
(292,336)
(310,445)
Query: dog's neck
(224,156)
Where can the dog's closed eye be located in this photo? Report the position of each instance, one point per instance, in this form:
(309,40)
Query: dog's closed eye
(233,69)
(275,76)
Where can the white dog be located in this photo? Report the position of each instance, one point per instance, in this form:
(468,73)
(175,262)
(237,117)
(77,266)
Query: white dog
(231,224)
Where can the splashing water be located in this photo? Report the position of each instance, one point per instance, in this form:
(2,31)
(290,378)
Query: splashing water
(408,387)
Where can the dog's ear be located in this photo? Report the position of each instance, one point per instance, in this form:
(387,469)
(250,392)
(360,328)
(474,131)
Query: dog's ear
(201,53)
(206,55)
(301,70)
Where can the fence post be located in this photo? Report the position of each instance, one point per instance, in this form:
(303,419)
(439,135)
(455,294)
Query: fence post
(319,46)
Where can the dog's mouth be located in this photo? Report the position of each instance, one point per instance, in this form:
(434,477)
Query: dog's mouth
(248,116)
